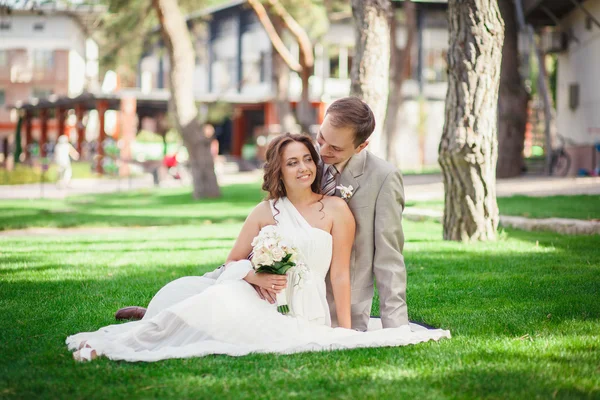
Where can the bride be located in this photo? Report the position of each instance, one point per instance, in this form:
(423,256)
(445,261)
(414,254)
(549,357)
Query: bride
(228,315)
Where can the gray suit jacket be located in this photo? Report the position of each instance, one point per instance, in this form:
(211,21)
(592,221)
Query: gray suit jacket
(377,204)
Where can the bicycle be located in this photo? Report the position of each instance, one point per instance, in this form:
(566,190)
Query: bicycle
(560,160)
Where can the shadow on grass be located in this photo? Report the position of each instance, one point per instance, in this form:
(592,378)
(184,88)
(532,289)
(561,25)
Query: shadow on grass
(158,207)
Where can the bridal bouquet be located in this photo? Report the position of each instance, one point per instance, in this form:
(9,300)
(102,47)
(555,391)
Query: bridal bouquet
(272,255)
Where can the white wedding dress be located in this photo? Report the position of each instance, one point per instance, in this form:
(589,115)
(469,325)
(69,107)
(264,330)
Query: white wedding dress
(197,316)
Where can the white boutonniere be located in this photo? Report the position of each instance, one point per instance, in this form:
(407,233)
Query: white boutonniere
(346,192)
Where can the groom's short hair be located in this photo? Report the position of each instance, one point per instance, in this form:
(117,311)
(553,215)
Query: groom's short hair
(352,112)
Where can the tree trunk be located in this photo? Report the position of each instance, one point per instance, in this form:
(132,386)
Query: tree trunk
(181,56)
(400,60)
(304,111)
(281,81)
(304,68)
(274,35)
(370,74)
(469,147)
(512,100)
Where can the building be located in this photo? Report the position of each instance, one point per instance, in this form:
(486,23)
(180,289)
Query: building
(45,51)
(571,30)
(234,65)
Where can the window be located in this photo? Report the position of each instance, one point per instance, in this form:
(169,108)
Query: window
(41,93)
(435,65)
(43,59)
(2,97)
(340,61)
(225,27)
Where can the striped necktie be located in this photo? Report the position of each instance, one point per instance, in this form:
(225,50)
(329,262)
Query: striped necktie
(329,181)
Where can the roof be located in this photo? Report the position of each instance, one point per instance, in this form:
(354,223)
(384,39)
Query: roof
(88,100)
(85,14)
(545,12)
(155,100)
(211,10)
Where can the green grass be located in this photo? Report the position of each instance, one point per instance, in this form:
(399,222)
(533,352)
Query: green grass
(576,207)
(425,170)
(524,314)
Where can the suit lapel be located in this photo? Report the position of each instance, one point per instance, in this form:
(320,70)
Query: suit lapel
(353,170)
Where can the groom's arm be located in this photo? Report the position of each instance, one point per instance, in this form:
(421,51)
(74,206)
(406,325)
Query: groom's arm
(388,261)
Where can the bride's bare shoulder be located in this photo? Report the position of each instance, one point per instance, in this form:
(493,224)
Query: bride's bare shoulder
(262,213)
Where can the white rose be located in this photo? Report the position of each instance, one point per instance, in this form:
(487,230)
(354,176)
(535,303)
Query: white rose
(277,254)
(269,231)
(264,248)
(263,259)
(257,252)
(270,243)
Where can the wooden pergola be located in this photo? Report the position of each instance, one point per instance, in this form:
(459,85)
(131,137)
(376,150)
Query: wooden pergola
(144,105)
(129,103)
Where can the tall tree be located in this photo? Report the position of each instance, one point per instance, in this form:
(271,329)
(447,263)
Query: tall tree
(181,56)
(281,85)
(304,66)
(400,61)
(469,147)
(512,101)
(370,74)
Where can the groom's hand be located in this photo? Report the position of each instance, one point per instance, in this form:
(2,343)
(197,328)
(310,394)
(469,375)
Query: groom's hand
(265,294)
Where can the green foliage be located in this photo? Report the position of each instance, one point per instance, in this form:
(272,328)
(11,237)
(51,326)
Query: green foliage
(553,78)
(22,174)
(278,267)
(310,14)
(148,137)
(122,35)
(218,112)
(129,28)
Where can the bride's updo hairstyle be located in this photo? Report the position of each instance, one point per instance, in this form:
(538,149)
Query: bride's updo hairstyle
(272,182)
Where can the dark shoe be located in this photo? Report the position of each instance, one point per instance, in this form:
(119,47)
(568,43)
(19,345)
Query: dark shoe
(132,312)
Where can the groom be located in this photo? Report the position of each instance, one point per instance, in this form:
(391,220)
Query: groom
(377,202)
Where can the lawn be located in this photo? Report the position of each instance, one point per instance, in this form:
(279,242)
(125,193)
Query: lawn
(152,207)
(577,207)
(524,314)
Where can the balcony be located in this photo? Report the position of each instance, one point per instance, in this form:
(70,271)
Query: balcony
(21,73)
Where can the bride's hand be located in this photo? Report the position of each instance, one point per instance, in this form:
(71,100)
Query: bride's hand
(269,282)
(265,294)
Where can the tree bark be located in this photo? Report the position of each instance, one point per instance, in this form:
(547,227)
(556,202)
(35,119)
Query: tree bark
(370,74)
(512,101)
(181,56)
(281,81)
(400,60)
(274,36)
(305,65)
(469,146)
(307,62)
